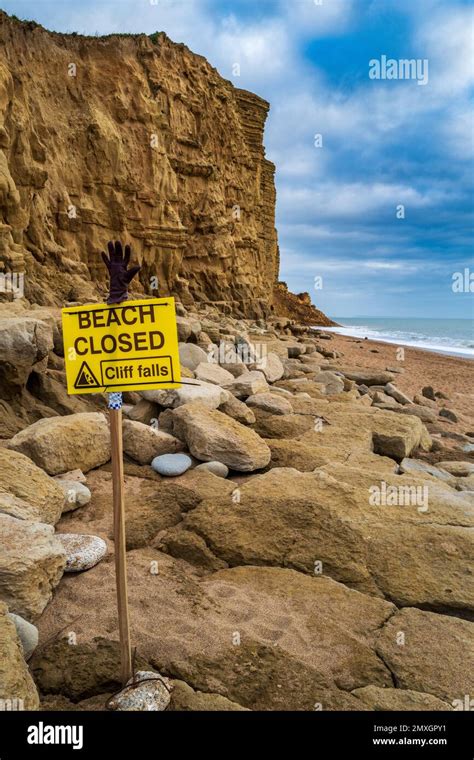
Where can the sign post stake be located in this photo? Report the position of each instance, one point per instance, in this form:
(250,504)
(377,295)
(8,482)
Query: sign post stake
(122,346)
(115,413)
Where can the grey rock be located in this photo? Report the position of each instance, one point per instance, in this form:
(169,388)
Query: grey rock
(417,465)
(191,355)
(208,394)
(270,402)
(237,410)
(217,468)
(271,366)
(448,414)
(82,551)
(76,494)
(397,394)
(248,384)
(27,633)
(457,468)
(171,465)
(213,373)
(147,691)
(367,376)
(332,383)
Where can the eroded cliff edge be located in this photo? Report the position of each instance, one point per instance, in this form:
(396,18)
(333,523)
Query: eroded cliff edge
(139,138)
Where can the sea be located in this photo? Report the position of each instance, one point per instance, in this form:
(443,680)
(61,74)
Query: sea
(445,336)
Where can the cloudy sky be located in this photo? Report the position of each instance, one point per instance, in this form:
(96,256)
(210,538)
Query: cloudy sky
(386,143)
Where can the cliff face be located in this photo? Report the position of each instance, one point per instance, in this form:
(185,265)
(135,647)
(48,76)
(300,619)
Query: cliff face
(298,307)
(133,137)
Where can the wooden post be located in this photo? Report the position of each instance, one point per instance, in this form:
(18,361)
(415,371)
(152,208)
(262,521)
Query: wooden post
(115,413)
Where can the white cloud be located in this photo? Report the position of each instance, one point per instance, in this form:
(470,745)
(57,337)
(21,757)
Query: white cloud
(327,264)
(336,200)
(446,38)
(263,51)
(313,18)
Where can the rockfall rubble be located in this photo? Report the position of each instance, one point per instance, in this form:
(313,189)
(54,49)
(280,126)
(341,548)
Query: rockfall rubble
(308,529)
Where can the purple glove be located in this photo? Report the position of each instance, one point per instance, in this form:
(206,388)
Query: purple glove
(120,276)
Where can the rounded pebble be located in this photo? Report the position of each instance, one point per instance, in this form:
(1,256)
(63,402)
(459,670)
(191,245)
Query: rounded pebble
(171,465)
(217,468)
(27,633)
(83,551)
(76,494)
(153,693)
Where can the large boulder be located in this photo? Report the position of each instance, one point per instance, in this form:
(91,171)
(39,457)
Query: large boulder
(423,565)
(303,385)
(143,442)
(187,328)
(212,435)
(367,376)
(26,492)
(152,507)
(208,394)
(17,688)
(416,410)
(398,436)
(387,700)
(397,394)
(302,456)
(185,699)
(79,671)
(191,355)
(294,519)
(248,629)
(237,410)
(271,366)
(32,561)
(456,468)
(270,402)
(59,444)
(248,384)
(229,359)
(430,653)
(418,466)
(271,425)
(50,388)
(210,372)
(332,383)
(144,411)
(25,343)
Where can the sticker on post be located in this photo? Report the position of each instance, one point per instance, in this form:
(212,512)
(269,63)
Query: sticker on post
(128,346)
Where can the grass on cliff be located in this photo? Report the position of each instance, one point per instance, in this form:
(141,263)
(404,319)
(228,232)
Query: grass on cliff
(30,25)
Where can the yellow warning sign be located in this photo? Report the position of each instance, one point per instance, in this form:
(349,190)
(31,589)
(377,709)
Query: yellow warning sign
(124,347)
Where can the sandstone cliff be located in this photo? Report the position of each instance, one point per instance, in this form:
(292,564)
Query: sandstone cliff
(139,138)
(297,307)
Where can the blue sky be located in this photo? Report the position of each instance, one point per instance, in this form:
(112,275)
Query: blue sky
(385,142)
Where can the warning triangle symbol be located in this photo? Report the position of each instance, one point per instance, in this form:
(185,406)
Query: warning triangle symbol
(86,378)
